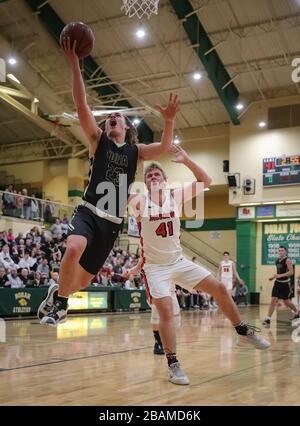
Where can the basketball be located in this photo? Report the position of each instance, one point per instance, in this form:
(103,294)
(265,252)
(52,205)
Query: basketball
(83,35)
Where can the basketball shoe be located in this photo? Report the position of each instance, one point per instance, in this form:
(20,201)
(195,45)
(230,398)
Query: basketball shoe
(247,334)
(57,315)
(47,303)
(177,375)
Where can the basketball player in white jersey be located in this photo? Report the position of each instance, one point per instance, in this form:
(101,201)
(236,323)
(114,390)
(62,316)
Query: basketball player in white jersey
(163,263)
(227,273)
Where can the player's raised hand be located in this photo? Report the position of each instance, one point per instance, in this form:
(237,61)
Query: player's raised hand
(180,156)
(69,50)
(169,112)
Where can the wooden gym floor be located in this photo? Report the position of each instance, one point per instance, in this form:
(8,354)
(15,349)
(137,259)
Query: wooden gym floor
(108,360)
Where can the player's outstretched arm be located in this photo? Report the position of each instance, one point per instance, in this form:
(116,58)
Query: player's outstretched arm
(236,274)
(156,149)
(193,189)
(86,118)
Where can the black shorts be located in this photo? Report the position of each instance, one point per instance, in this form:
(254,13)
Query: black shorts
(281,290)
(100,234)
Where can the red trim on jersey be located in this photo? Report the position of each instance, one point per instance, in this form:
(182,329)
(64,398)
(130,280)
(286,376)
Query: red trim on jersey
(142,245)
(148,294)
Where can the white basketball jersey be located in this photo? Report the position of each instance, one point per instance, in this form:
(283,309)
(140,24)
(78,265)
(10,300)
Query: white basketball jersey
(226,269)
(160,232)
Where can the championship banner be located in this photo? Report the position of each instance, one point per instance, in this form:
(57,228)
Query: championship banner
(280,234)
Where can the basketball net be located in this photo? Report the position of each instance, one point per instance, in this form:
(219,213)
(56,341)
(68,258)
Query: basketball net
(140,8)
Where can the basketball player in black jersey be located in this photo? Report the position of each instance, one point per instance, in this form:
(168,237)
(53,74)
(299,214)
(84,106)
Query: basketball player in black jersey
(96,222)
(281,288)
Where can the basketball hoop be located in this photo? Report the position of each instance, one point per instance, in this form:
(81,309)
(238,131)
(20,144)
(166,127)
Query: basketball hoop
(140,8)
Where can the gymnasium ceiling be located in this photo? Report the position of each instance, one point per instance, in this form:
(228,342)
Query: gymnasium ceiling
(253,41)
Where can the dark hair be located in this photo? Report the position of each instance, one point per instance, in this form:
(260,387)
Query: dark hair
(131,134)
(226,252)
(153,166)
(283,247)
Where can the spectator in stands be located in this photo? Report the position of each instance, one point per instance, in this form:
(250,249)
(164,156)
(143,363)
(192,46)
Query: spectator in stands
(48,211)
(182,297)
(28,242)
(34,208)
(27,261)
(3,239)
(36,235)
(64,228)
(55,259)
(13,280)
(3,277)
(130,283)
(96,280)
(18,238)
(9,236)
(43,268)
(19,203)
(25,278)
(106,279)
(56,229)
(5,258)
(241,294)
(26,204)
(65,220)
(8,201)
(117,268)
(37,280)
(54,278)
(15,255)
(21,248)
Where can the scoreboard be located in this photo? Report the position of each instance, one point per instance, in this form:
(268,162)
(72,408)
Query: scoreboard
(284,170)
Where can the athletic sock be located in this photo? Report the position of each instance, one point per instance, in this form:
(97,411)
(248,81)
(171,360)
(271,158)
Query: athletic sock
(241,329)
(171,358)
(63,300)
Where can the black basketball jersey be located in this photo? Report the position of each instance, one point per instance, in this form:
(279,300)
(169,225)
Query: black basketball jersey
(282,268)
(112,171)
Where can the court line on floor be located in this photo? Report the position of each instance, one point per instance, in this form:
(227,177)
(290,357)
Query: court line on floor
(72,359)
(224,376)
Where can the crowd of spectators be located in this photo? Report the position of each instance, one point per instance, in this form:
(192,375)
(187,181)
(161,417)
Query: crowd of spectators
(19,204)
(33,258)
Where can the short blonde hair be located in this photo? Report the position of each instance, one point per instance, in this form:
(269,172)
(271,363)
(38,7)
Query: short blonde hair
(154,166)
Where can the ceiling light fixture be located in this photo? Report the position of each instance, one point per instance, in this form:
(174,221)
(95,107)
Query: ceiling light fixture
(140,33)
(12,60)
(262,124)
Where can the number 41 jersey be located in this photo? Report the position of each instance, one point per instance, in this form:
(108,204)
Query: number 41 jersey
(160,232)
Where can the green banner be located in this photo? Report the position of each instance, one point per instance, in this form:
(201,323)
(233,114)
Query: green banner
(283,234)
(25,301)
(20,301)
(130,299)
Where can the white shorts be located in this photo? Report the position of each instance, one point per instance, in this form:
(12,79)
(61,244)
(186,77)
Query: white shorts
(227,281)
(161,278)
(176,309)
